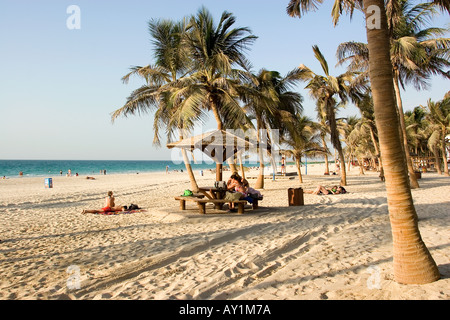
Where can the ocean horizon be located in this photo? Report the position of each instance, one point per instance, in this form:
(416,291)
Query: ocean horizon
(53,168)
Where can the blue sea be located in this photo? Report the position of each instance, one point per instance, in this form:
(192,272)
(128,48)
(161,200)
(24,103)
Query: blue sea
(52,168)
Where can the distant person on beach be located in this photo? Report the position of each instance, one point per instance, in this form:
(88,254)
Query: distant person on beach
(283,165)
(323,190)
(167,169)
(110,205)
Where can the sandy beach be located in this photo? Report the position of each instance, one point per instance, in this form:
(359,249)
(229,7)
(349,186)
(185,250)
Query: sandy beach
(334,247)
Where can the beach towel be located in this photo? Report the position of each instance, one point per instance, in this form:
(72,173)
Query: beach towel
(111,213)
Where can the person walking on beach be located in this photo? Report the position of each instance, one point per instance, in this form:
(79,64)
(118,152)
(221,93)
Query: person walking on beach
(283,166)
(110,205)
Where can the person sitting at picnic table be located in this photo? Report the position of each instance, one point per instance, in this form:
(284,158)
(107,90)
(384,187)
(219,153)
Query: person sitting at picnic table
(250,191)
(110,206)
(322,190)
(235,185)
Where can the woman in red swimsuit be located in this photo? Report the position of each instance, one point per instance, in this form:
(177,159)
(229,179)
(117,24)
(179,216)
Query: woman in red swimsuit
(109,206)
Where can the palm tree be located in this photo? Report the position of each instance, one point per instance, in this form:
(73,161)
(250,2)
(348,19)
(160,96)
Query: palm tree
(325,89)
(418,132)
(171,64)
(365,106)
(215,84)
(324,130)
(303,139)
(413,262)
(272,105)
(439,115)
(416,53)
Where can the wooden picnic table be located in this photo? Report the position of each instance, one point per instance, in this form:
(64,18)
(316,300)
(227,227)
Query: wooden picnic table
(213,193)
(202,202)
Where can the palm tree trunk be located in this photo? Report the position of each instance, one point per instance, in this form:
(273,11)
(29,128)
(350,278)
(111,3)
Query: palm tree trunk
(188,166)
(260,181)
(361,167)
(342,170)
(241,165)
(412,174)
(219,166)
(413,263)
(444,153)
(377,151)
(297,163)
(349,162)
(194,185)
(232,164)
(437,160)
(327,168)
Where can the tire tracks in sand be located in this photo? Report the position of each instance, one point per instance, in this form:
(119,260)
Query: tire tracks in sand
(222,264)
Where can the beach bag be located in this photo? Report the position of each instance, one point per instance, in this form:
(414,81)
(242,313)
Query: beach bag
(133,207)
(187,193)
(221,185)
(255,196)
(249,199)
(232,196)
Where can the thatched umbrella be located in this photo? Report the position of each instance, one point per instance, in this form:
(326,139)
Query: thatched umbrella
(219,145)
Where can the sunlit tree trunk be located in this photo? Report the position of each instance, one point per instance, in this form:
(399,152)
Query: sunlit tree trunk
(342,170)
(412,176)
(298,165)
(219,166)
(413,263)
(444,153)
(437,160)
(260,180)
(327,168)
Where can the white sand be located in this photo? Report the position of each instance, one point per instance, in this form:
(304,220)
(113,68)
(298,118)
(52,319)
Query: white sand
(333,247)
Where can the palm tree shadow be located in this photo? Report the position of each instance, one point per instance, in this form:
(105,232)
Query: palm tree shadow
(444,270)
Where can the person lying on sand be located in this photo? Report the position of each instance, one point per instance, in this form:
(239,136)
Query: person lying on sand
(110,206)
(323,190)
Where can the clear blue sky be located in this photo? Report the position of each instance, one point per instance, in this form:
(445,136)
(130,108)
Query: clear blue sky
(58,87)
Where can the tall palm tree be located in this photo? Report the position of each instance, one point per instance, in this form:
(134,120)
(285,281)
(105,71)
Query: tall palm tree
(416,54)
(272,104)
(330,92)
(219,63)
(439,115)
(171,63)
(413,262)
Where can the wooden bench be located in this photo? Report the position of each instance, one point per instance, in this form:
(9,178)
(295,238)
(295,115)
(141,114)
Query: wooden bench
(202,203)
